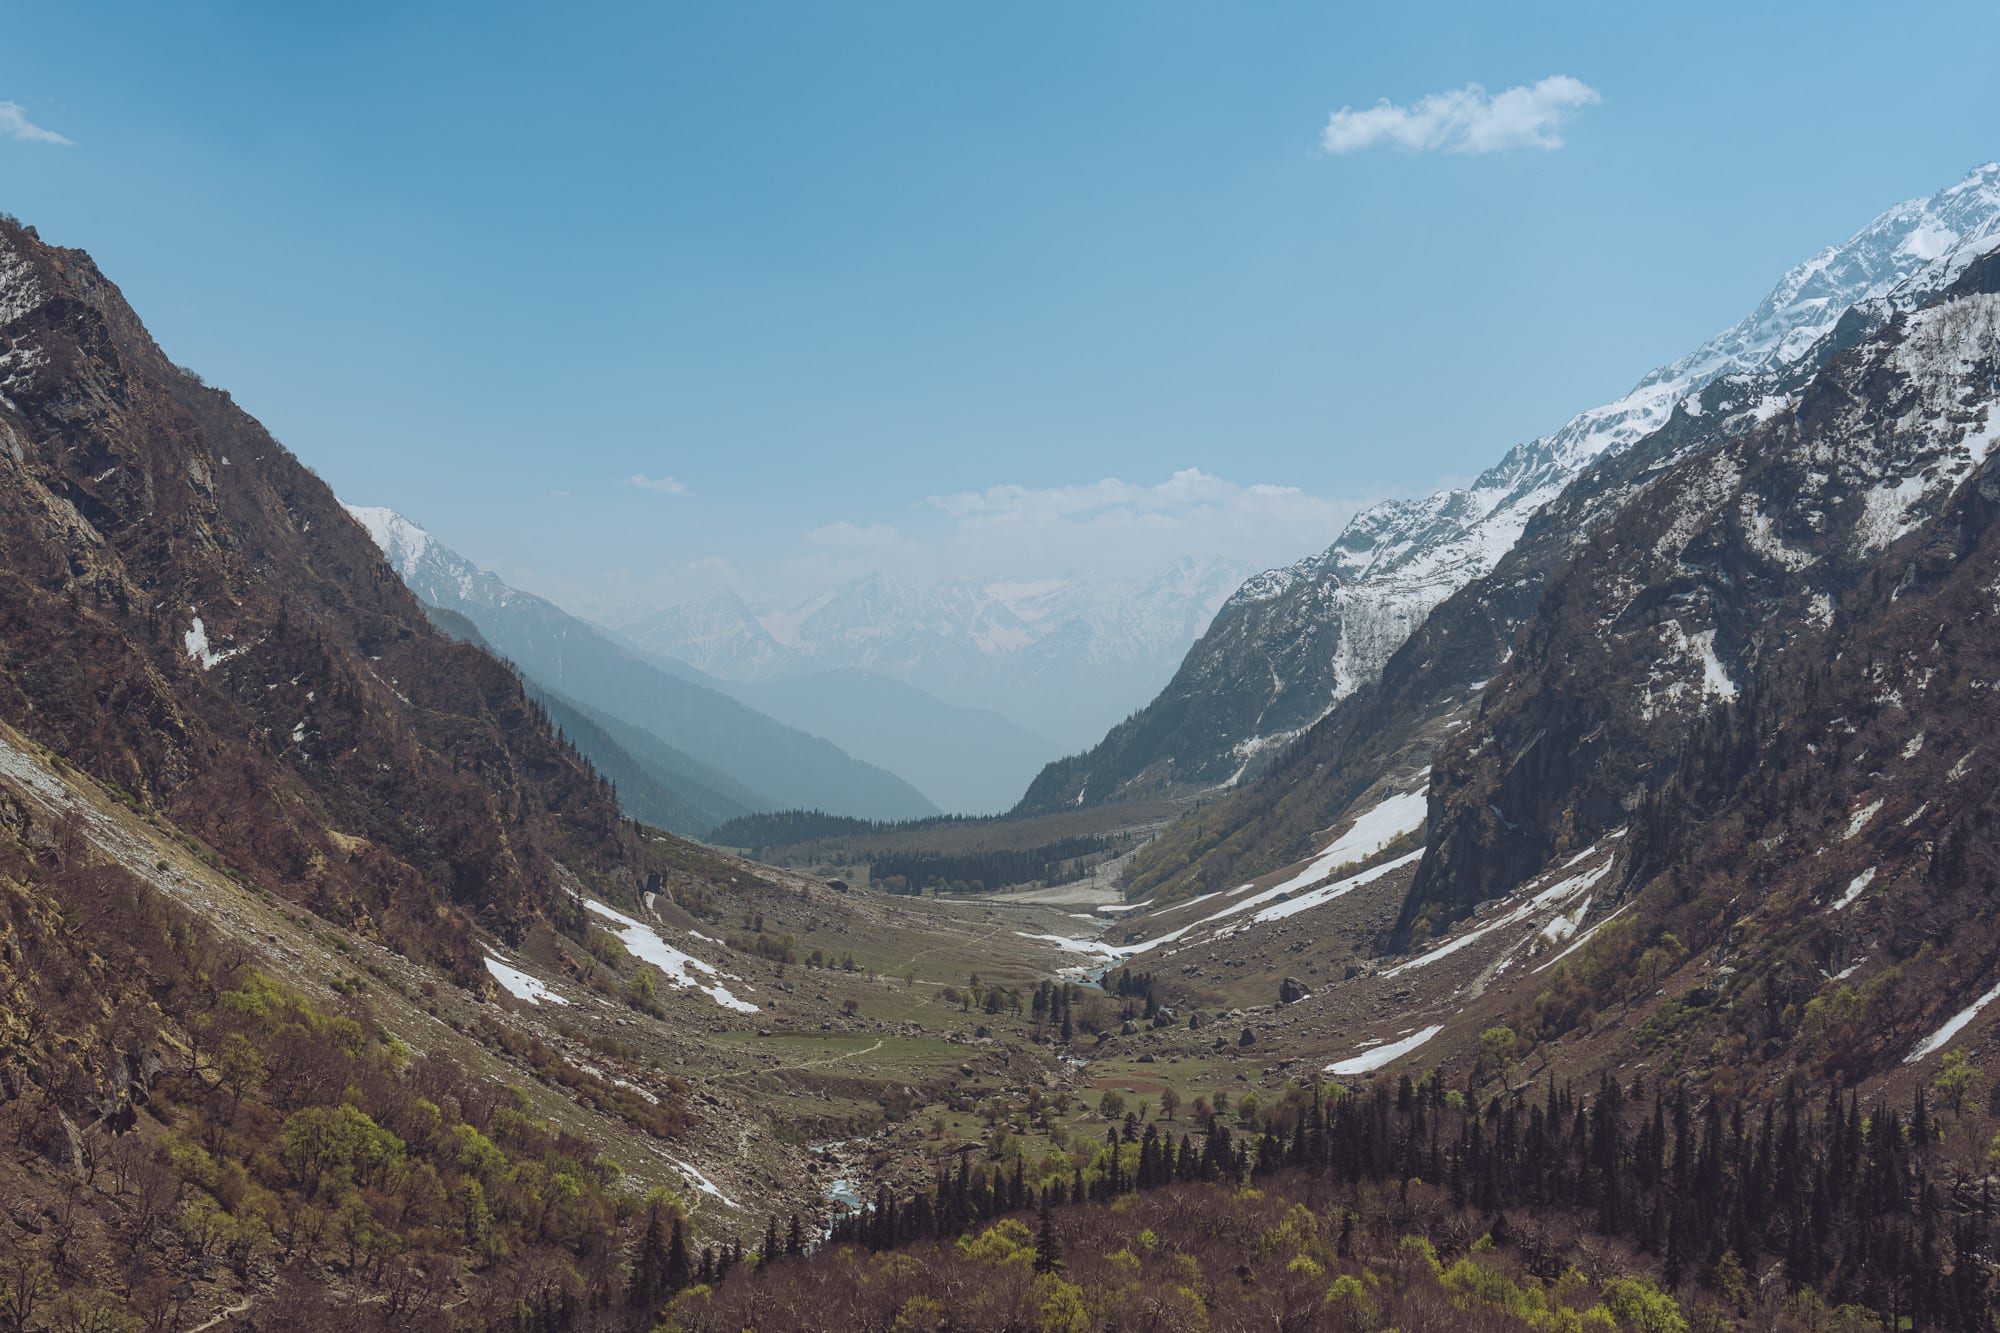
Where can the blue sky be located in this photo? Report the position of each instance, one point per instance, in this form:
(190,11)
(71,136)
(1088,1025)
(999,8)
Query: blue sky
(818,264)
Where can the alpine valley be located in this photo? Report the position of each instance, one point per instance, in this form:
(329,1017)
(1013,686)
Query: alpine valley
(1563,905)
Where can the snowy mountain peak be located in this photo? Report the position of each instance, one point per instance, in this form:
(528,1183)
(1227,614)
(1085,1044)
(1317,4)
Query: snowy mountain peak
(1292,642)
(1444,540)
(1065,656)
(433,570)
(400,540)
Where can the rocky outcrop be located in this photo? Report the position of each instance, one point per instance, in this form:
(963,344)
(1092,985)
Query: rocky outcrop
(1723,595)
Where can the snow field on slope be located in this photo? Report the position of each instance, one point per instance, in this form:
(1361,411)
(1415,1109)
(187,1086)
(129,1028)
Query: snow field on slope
(1373,1059)
(520,985)
(1372,830)
(1953,1026)
(679,968)
(1373,837)
(1561,892)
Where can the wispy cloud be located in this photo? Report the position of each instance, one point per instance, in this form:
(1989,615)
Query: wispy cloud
(1464,120)
(1006,533)
(639,481)
(14,124)
(1126,527)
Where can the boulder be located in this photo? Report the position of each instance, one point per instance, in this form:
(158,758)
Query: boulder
(1291,990)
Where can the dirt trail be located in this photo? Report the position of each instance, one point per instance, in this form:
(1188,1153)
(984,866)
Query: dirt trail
(803,1064)
(229,1313)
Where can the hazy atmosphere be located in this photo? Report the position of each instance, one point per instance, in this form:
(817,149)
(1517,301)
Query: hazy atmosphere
(926,668)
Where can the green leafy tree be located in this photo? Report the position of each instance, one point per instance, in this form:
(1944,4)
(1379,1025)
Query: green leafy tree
(1955,1080)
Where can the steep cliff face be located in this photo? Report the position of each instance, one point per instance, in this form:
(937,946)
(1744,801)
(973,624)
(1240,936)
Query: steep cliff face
(187,612)
(1294,642)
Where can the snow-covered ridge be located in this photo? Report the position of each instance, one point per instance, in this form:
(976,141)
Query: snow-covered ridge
(1396,561)
(402,542)
(880,623)
(435,572)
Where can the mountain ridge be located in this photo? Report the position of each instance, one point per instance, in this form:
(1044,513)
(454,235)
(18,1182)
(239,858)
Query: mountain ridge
(1293,642)
(1060,657)
(573,659)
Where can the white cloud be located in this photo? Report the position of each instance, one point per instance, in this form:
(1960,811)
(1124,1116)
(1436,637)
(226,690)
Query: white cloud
(1188,486)
(842,535)
(1009,533)
(639,481)
(1464,120)
(14,124)
(1120,527)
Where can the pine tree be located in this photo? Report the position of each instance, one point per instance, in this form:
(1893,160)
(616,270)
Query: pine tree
(795,1241)
(649,1266)
(1048,1252)
(770,1253)
(678,1276)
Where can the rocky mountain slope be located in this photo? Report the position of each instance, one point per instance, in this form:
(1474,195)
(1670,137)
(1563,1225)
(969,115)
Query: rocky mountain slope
(1800,615)
(186,612)
(655,783)
(1720,804)
(1063,658)
(335,987)
(707,746)
(1294,642)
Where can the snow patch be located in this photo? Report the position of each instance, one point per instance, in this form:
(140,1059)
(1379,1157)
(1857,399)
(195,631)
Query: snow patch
(1955,1025)
(196,642)
(1854,889)
(1371,831)
(1371,1060)
(703,1183)
(1861,818)
(1321,896)
(519,984)
(678,967)
(1559,892)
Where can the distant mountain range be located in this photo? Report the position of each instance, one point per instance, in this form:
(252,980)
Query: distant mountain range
(1063,658)
(717,756)
(969,760)
(1293,642)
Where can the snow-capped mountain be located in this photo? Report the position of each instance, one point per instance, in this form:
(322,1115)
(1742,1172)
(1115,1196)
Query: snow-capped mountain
(1064,657)
(715,753)
(1293,642)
